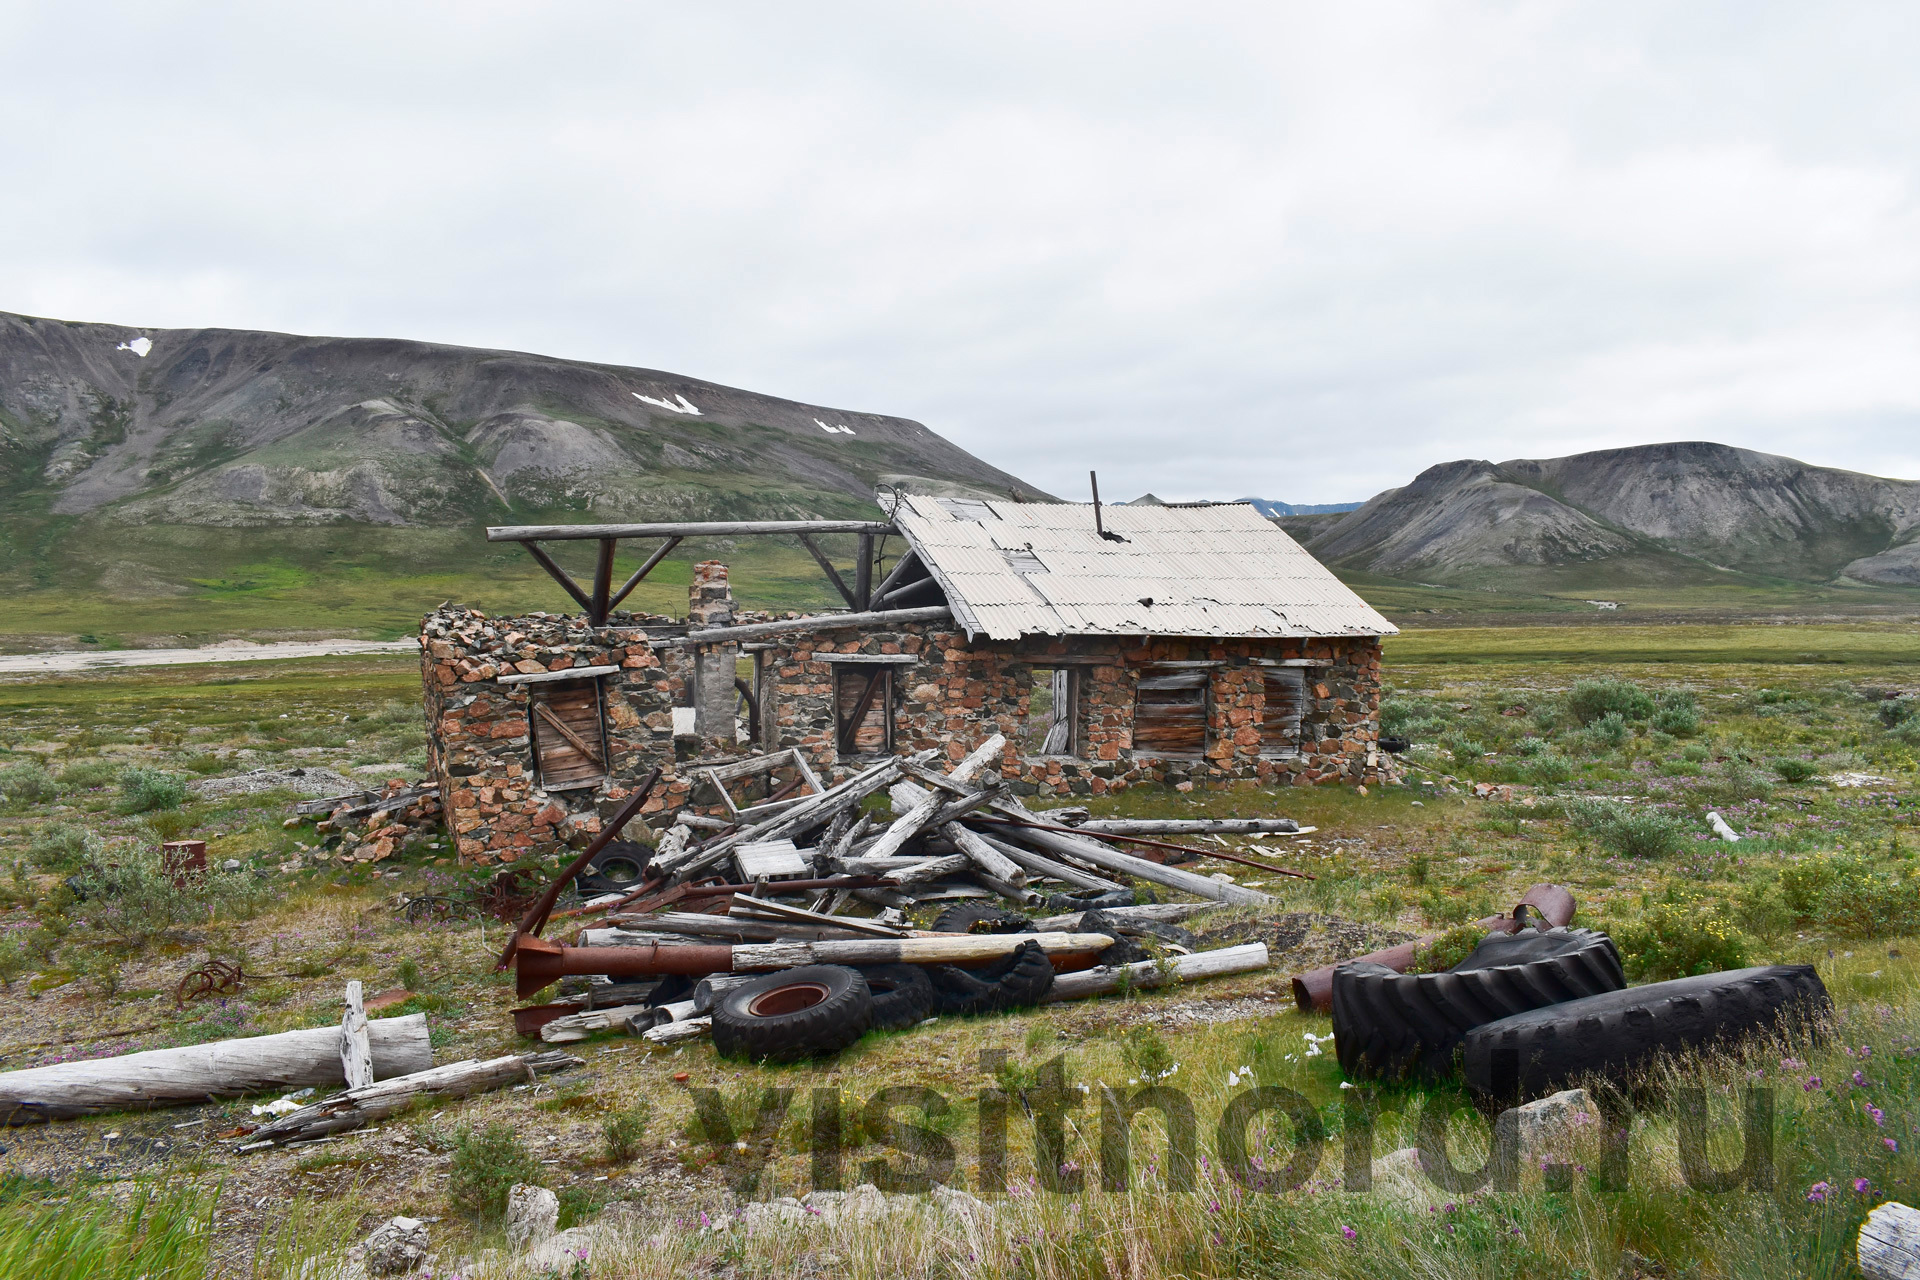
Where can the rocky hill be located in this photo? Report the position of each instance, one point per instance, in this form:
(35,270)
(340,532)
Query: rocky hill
(222,427)
(1651,512)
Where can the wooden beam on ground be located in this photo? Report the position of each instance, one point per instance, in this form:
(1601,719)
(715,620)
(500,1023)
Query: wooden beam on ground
(558,574)
(1156,973)
(833,574)
(639,575)
(681,529)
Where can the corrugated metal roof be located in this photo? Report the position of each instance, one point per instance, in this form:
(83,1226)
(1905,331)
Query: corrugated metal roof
(1221,570)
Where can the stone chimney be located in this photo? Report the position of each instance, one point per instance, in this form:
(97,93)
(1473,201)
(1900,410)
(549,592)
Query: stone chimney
(710,604)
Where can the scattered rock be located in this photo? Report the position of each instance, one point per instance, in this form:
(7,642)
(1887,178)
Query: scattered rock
(307,782)
(1545,1131)
(397,1246)
(533,1214)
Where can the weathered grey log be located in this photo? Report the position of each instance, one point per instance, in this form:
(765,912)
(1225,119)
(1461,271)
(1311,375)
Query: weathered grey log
(814,811)
(1036,864)
(1889,1243)
(356,1052)
(800,915)
(677,1032)
(708,990)
(694,925)
(375,1102)
(1103,980)
(904,828)
(1163,912)
(578,1026)
(817,622)
(1022,897)
(225,1068)
(977,759)
(929,869)
(949,949)
(1183,826)
(992,862)
(680,529)
(1101,855)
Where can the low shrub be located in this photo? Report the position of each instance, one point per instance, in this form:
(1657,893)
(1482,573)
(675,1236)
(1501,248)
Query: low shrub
(143,790)
(1794,770)
(1531,746)
(1850,897)
(1894,712)
(26,783)
(1676,712)
(88,774)
(486,1165)
(1680,939)
(130,895)
(62,846)
(1609,732)
(1589,700)
(1464,750)
(1635,832)
(623,1132)
(1546,768)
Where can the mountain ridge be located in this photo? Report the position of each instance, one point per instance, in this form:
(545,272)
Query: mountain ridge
(242,427)
(1665,510)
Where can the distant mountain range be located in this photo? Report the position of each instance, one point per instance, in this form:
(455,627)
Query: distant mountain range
(228,427)
(1265,506)
(1651,513)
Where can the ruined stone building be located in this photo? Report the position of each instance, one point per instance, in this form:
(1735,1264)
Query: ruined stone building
(1193,646)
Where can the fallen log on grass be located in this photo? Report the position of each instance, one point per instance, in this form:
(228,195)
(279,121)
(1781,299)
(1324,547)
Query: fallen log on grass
(357,1107)
(1157,973)
(225,1068)
(1161,912)
(1889,1243)
(1184,826)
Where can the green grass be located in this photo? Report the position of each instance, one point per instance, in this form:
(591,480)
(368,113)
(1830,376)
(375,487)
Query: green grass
(80,1236)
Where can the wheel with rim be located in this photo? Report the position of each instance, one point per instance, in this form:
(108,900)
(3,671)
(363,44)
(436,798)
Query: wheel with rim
(1389,1025)
(1618,1035)
(903,995)
(810,1012)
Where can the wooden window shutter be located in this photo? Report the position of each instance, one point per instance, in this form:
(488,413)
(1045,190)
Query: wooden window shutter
(1286,689)
(863,709)
(569,733)
(1170,713)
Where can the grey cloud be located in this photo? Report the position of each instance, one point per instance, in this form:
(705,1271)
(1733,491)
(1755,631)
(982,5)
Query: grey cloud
(1301,251)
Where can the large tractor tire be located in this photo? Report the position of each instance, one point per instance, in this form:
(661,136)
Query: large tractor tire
(1614,1037)
(903,995)
(1014,981)
(1389,1025)
(810,1012)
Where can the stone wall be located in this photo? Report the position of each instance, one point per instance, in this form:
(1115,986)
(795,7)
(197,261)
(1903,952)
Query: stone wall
(953,695)
(478,747)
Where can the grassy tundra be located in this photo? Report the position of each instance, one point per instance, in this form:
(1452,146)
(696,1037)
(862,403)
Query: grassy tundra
(1617,740)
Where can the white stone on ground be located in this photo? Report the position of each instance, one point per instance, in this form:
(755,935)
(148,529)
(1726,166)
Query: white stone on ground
(533,1214)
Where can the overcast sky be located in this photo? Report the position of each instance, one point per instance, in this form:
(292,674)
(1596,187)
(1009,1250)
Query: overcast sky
(1299,251)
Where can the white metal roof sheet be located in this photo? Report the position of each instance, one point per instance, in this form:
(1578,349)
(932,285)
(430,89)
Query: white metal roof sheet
(1221,570)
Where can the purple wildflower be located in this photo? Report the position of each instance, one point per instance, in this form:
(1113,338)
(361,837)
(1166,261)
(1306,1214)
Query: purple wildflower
(1859,1080)
(1349,1232)
(1891,1145)
(1860,1186)
(1818,1192)
(1813,1082)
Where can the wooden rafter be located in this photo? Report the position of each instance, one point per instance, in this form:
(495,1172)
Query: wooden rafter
(833,574)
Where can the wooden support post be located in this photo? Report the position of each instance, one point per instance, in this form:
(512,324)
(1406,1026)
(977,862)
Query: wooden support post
(863,574)
(356,1049)
(833,574)
(901,567)
(545,561)
(602,582)
(640,574)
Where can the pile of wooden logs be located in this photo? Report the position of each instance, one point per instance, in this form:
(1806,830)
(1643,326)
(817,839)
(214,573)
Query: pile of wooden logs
(824,878)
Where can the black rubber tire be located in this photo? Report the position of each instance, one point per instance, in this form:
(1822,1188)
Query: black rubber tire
(1011,982)
(620,868)
(1389,1025)
(1091,900)
(810,1012)
(903,995)
(1615,1036)
(981,917)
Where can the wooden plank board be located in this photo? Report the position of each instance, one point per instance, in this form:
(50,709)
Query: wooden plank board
(863,703)
(1170,713)
(1285,689)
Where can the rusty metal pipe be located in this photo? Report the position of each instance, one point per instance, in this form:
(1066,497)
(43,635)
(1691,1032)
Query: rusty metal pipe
(538,962)
(1313,990)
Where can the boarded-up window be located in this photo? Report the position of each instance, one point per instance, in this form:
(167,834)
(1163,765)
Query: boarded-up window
(569,732)
(1052,725)
(1170,712)
(1280,722)
(863,709)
